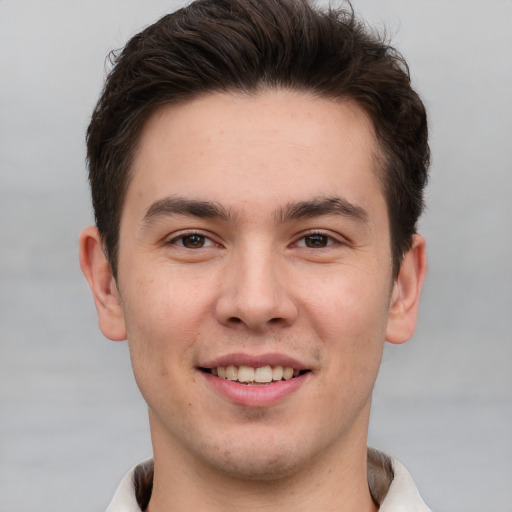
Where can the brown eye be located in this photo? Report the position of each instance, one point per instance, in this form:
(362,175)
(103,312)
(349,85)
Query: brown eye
(316,241)
(193,241)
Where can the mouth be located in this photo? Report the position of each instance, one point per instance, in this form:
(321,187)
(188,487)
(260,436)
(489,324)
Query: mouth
(262,375)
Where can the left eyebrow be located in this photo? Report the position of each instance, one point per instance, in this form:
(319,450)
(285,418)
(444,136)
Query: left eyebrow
(319,207)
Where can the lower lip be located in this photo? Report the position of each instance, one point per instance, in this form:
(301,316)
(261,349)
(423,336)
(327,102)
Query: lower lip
(255,395)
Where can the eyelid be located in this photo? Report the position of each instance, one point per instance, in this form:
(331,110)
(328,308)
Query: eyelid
(176,237)
(334,238)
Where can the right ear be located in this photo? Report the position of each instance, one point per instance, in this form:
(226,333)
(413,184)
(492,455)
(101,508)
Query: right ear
(98,273)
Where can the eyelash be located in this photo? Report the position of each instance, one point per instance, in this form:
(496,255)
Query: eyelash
(330,240)
(206,241)
(181,238)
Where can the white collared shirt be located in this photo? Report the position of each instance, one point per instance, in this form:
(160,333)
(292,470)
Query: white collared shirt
(401,496)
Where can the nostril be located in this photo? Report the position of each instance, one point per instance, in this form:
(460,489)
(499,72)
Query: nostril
(234,320)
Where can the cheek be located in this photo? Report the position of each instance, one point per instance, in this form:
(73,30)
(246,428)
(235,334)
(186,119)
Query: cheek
(161,328)
(166,302)
(349,308)
(161,338)
(349,318)
(350,324)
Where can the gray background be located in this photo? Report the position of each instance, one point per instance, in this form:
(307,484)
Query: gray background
(71,419)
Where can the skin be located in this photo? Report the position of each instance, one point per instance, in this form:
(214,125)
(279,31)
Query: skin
(253,278)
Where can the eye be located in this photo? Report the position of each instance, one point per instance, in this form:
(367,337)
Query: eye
(316,241)
(192,241)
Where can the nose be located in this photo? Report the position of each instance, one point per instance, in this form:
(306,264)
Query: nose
(255,294)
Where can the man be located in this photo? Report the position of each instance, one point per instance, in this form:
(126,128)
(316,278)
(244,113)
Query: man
(257,171)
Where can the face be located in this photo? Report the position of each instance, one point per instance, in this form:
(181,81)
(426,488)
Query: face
(255,279)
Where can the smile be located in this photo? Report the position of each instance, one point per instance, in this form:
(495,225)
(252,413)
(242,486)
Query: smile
(249,375)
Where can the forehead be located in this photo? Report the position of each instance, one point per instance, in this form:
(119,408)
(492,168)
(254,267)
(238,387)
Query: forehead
(254,149)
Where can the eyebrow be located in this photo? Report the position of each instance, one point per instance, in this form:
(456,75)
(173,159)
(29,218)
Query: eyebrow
(175,205)
(183,206)
(322,206)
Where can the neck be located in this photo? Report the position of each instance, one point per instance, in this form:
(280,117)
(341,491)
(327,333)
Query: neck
(334,481)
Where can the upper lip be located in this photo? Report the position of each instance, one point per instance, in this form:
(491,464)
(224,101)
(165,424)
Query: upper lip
(255,361)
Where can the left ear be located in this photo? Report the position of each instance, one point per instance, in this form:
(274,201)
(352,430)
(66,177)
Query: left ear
(405,296)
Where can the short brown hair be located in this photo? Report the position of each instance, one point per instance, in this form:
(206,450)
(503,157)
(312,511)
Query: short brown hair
(246,46)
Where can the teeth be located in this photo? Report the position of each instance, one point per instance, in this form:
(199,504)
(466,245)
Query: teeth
(231,372)
(287,373)
(261,375)
(245,374)
(277,373)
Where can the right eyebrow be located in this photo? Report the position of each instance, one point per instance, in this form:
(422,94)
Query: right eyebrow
(175,205)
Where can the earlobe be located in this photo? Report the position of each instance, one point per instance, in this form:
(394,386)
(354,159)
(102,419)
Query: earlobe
(405,296)
(98,273)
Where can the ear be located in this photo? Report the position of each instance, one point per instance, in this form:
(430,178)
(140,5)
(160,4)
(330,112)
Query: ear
(98,273)
(405,296)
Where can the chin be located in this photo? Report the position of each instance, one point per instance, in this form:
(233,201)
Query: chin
(265,460)
(269,467)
